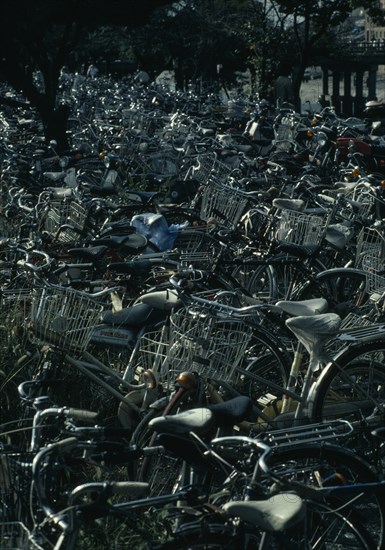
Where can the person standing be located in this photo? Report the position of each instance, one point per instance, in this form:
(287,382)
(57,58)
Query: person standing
(92,71)
(283,88)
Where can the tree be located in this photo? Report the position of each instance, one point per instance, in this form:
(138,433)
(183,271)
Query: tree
(196,39)
(373,9)
(41,35)
(309,21)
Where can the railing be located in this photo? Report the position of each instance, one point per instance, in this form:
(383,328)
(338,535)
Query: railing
(367,48)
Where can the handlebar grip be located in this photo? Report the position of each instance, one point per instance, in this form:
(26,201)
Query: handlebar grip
(134,489)
(148,451)
(82,414)
(66,444)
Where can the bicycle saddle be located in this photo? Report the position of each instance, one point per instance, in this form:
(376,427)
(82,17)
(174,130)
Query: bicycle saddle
(313,331)
(303,307)
(200,420)
(274,514)
(289,204)
(137,315)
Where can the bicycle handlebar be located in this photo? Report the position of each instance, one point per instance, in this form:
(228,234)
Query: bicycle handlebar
(212,305)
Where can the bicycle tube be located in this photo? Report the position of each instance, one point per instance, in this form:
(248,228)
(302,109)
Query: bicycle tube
(343,288)
(353,384)
(329,464)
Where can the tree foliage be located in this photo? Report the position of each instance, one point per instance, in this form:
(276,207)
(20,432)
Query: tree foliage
(41,35)
(204,40)
(310,21)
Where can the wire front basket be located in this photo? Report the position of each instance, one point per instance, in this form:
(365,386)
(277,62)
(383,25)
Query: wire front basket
(300,229)
(369,241)
(197,248)
(284,134)
(209,167)
(153,347)
(15,536)
(64,317)
(374,266)
(222,203)
(65,213)
(209,345)
(364,199)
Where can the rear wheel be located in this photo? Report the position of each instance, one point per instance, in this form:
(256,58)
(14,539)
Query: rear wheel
(353,386)
(344,289)
(339,519)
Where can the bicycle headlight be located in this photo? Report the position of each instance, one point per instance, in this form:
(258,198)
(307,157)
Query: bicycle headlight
(322,139)
(64,162)
(149,379)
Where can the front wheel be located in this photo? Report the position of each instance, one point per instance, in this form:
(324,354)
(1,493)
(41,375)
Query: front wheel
(353,385)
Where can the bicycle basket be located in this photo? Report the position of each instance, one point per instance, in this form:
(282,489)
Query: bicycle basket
(197,248)
(211,346)
(369,241)
(284,134)
(300,229)
(364,203)
(64,317)
(207,167)
(65,213)
(374,267)
(222,203)
(152,353)
(15,536)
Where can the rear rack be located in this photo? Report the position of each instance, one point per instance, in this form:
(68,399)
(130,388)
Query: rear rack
(311,433)
(363,333)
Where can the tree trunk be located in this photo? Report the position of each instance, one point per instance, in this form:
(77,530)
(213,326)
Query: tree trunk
(55,125)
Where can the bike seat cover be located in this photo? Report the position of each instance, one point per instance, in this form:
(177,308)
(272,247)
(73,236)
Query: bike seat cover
(231,412)
(136,315)
(195,420)
(112,241)
(338,235)
(60,192)
(89,254)
(313,331)
(165,300)
(289,204)
(277,513)
(313,306)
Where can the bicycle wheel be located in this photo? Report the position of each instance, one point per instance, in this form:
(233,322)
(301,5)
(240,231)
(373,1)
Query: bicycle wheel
(258,280)
(291,273)
(311,535)
(161,471)
(336,521)
(353,385)
(327,528)
(265,362)
(344,289)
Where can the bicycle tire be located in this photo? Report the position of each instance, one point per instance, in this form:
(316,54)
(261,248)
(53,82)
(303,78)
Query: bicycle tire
(330,522)
(343,288)
(355,379)
(326,460)
(291,272)
(258,280)
(325,463)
